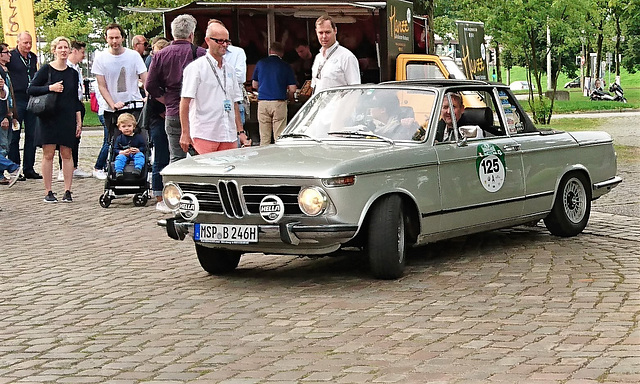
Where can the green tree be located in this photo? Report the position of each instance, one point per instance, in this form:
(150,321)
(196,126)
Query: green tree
(55,18)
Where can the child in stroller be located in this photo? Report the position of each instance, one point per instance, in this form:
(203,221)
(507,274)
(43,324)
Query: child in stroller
(129,146)
(129,142)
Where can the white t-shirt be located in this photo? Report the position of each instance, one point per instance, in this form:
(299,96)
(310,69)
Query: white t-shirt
(80,79)
(208,119)
(341,69)
(120,73)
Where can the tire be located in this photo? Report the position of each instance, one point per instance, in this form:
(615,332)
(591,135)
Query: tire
(571,208)
(387,238)
(140,200)
(217,261)
(105,201)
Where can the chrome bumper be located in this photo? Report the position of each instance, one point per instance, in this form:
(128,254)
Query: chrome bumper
(603,187)
(291,233)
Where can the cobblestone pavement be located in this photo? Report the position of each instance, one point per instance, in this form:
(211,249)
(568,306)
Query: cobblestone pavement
(92,295)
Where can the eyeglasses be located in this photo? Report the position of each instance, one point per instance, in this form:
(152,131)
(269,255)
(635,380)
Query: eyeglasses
(146,44)
(220,41)
(5,52)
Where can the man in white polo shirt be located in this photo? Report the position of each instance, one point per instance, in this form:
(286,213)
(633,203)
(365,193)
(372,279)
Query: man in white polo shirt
(209,113)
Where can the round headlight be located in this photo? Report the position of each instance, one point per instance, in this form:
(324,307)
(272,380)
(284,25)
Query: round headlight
(171,194)
(312,201)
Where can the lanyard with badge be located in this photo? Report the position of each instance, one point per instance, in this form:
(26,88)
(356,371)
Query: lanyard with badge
(27,63)
(226,102)
(325,62)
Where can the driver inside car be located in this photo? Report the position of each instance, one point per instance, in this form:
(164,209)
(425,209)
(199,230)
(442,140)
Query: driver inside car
(466,128)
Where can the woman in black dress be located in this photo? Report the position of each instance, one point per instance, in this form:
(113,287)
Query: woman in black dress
(64,127)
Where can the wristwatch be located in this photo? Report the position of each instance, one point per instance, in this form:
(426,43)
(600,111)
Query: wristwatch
(241,132)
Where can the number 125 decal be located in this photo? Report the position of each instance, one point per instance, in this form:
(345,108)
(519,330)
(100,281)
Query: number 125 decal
(490,165)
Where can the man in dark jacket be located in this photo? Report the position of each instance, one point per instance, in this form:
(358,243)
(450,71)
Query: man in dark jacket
(22,68)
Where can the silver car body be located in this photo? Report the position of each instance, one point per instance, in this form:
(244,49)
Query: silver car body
(509,175)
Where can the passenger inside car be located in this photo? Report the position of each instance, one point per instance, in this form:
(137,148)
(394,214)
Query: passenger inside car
(389,119)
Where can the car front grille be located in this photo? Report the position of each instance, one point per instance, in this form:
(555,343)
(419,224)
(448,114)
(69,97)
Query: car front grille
(234,201)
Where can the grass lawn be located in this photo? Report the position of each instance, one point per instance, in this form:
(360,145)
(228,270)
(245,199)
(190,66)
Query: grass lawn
(577,102)
(90,118)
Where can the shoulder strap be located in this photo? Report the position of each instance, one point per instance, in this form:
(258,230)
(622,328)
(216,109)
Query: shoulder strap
(194,51)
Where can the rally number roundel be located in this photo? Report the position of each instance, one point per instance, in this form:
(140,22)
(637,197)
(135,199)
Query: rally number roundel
(491,167)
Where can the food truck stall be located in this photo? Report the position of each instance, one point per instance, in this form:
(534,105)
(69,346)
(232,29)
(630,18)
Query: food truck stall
(375,31)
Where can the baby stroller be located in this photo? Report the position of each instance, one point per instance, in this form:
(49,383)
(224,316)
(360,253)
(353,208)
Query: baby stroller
(138,185)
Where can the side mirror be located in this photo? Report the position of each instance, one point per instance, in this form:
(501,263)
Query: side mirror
(469,131)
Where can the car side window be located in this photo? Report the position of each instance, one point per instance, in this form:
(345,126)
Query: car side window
(480,118)
(515,123)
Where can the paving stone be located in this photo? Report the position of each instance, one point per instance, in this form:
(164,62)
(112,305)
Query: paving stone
(87,297)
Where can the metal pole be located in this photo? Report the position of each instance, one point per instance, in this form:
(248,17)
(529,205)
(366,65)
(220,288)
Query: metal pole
(548,56)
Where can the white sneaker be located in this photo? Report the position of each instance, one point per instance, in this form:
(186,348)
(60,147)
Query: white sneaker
(13,176)
(162,207)
(99,174)
(79,173)
(60,175)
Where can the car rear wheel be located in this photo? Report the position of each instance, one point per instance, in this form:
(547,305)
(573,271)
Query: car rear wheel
(571,208)
(217,261)
(387,238)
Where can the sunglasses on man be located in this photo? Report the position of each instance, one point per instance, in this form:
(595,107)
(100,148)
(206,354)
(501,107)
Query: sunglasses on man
(221,41)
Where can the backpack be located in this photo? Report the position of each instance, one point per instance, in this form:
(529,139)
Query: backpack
(94,102)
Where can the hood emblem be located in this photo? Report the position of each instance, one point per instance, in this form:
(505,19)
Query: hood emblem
(229,168)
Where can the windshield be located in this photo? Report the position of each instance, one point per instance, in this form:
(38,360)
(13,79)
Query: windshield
(388,114)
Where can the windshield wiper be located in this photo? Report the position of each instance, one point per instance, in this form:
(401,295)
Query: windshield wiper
(299,135)
(362,134)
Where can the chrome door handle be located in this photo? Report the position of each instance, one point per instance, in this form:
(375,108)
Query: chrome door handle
(511,147)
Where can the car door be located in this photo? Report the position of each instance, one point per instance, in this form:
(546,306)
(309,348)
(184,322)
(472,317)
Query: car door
(481,181)
(544,155)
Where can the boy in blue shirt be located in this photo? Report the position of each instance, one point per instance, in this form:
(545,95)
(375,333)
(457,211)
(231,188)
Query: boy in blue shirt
(129,146)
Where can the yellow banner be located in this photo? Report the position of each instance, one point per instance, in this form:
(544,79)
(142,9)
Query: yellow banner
(17,16)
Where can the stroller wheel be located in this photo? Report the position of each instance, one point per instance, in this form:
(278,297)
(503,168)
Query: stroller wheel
(105,200)
(140,199)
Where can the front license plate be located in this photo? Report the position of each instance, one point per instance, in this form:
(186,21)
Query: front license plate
(226,234)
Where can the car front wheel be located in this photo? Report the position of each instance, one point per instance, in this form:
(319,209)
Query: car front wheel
(387,238)
(571,208)
(217,261)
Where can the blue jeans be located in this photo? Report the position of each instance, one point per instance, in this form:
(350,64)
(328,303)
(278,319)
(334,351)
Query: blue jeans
(122,160)
(101,162)
(161,154)
(5,139)
(242,112)
(28,120)
(173,131)
(7,165)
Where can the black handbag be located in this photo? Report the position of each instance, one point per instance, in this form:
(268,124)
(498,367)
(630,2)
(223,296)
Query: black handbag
(43,105)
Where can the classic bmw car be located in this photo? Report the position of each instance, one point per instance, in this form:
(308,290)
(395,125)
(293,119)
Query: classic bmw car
(363,167)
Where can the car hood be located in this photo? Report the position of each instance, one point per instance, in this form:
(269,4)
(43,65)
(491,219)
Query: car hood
(296,160)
